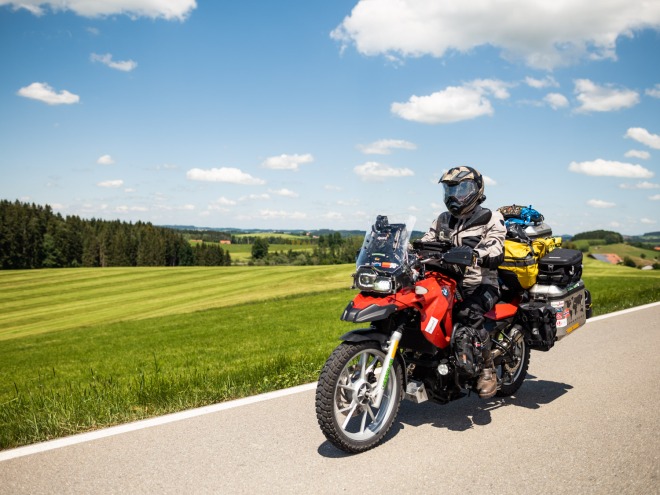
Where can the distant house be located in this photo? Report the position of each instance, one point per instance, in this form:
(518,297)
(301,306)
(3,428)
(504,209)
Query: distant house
(615,259)
(222,241)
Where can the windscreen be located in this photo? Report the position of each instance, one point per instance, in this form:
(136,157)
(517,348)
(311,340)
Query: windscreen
(385,245)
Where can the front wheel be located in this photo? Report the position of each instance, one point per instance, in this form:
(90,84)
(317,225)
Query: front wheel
(512,366)
(345,394)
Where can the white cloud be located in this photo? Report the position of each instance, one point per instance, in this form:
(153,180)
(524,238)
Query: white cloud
(542,34)
(127,209)
(166,9)
(224,174)
(647,221)
(453,104)
(287,162)
(488,181)
(595,98)
(556,100)
(221,202)
(642,155)
(643,136)
(654,91)
(379,171)
(640,185)
(255,197)
(598,203)
(655,197)
(125,65)
(546,82)
(285,193)
(271,214)
(606,168)
(105,160)
(385,146)
(111,183)
(43,92)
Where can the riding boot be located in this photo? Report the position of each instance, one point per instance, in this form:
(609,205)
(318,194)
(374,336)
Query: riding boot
(487,383)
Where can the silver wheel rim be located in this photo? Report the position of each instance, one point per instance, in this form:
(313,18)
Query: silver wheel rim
(354,394)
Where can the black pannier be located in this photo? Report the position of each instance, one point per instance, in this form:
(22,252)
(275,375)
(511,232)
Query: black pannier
(560,267)
(540,320)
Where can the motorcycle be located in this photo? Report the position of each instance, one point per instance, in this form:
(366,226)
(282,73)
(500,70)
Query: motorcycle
(412,347)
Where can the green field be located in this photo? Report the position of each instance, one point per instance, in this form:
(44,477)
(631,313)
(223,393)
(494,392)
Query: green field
(242,253)
(38,301)
(87,348)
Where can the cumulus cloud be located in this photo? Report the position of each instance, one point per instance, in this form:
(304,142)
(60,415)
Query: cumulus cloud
(124,66)
(488,181)
(647,221)
(224,174)
(43,92)
(643,136)
(606,168)
(285,193)
(640,185)
(546,82)
(453,104)
(598,203)
(255,197)
(655,197)
(221,202)
(654,91)
(595,98)
(385,146)
(542,34)
(379,171)
(289,215)
(111,183)
(165,9)
(287,162)
(642,155)
(556,100)
(105,160)
(127,209)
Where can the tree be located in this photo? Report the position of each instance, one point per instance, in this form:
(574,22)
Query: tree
(260,248)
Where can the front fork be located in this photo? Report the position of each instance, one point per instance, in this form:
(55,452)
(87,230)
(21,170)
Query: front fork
(392,347)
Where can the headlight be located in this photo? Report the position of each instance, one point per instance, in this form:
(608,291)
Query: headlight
(383,284)
(371,281)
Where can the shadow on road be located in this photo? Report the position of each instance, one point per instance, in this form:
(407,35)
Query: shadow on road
(466,413)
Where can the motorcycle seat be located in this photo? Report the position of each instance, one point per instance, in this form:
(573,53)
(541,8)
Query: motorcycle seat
(502,311)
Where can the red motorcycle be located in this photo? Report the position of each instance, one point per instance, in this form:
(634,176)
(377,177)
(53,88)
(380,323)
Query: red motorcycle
(412,348)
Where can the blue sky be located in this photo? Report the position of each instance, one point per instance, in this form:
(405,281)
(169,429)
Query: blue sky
(321,114)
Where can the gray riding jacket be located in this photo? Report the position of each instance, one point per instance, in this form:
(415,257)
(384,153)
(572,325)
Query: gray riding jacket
(482,230)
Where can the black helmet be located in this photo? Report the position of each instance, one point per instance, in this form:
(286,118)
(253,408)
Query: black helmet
(464,190)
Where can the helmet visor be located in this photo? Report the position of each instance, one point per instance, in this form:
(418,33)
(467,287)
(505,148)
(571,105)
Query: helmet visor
(461,191)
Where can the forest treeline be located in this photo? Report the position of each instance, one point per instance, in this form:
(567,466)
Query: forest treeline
(33,236)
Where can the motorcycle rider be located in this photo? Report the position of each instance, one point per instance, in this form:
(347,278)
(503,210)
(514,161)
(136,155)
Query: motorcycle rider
(466,223)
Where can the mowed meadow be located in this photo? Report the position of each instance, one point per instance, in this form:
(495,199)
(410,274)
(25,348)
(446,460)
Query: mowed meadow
(86,348)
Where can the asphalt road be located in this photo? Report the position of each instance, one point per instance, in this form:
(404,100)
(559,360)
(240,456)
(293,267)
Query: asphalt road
(587,421)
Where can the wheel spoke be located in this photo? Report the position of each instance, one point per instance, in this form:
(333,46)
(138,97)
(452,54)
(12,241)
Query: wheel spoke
(363,424)
(349,416)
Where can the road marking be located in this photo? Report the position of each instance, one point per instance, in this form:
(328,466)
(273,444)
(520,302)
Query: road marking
(201,411)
